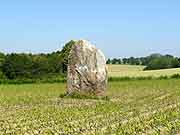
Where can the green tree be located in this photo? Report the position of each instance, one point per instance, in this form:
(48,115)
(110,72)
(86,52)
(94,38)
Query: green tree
(114,61)
(125,61)
(163,62)
(108,61)
(2,57)
(64,54)
(17,65)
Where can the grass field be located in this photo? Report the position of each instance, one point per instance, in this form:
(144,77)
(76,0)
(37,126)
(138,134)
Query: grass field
(135,107)
(137,71)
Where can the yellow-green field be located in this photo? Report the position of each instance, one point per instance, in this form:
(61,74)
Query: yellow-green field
(136,107)
(137,71)
(143,107)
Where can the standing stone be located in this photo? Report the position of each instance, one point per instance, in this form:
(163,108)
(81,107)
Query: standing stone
(87,71)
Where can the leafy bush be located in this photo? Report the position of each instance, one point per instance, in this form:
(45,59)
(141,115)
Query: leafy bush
(177,76)
(162,62)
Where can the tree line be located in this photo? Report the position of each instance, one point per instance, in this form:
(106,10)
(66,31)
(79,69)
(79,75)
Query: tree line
(39,66)
(34,66)
(151,62)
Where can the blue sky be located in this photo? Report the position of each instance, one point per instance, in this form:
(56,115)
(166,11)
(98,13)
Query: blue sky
(121,28)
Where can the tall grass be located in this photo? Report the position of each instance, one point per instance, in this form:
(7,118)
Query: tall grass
(175,76)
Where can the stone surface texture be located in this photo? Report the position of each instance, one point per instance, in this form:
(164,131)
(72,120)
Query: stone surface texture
(87,70)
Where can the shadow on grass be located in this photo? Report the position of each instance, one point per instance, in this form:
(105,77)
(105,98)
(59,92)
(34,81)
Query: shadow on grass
(77,95)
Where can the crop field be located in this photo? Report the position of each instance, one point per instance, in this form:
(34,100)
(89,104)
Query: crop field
(137,71)
(135,107)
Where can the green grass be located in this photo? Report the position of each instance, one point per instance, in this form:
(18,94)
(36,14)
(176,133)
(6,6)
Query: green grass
(135,107)
(137,71)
